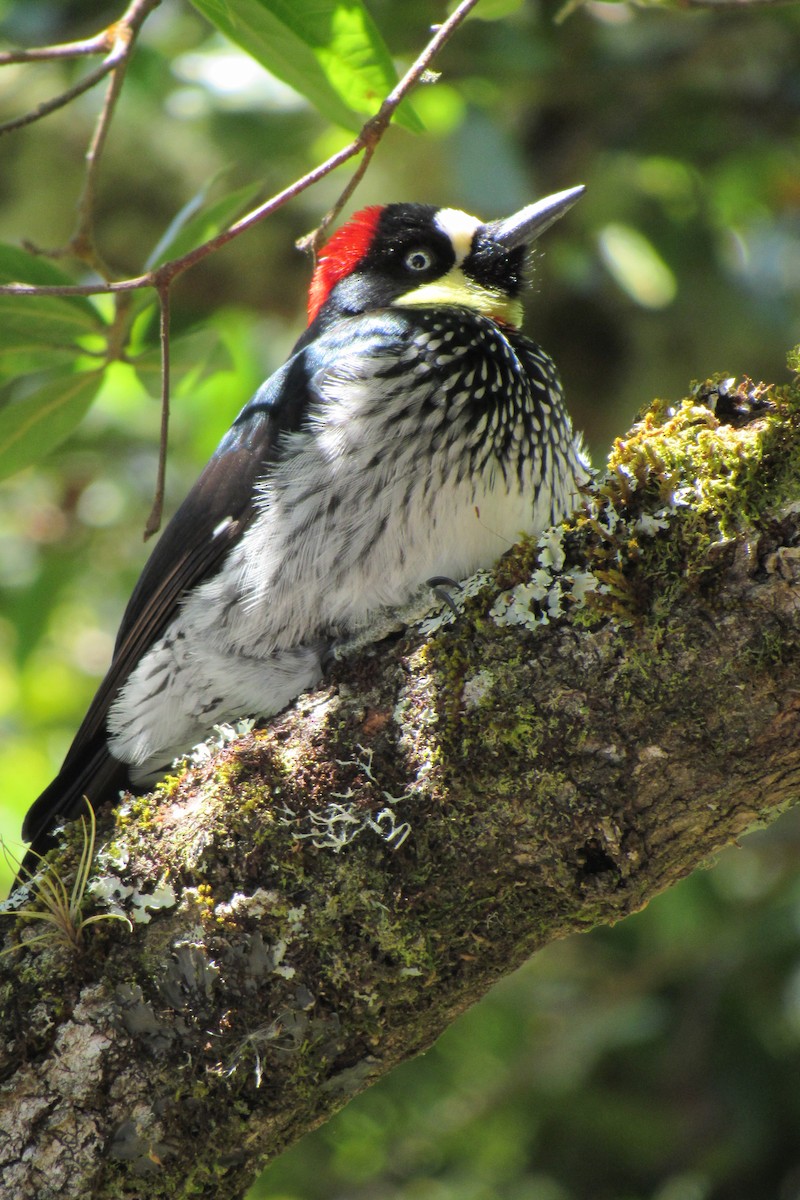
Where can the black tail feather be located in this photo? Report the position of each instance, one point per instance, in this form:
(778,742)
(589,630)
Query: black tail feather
(95,774)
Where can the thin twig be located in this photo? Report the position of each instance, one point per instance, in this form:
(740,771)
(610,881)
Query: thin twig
(154,520)
(82,242)
(118,39)
(80,289)
(370,135)
(83,85)
(375,128)
(99,44)
(311,243)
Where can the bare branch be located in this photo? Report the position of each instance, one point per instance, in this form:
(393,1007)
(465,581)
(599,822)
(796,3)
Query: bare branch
(103,41)
(117,38)
(83,85)
(99,44)
(79,289)
(415,72)
(669,729)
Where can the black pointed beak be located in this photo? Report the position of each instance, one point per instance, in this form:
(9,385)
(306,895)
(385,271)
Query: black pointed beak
(525,226)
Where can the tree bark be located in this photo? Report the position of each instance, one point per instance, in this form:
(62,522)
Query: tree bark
(317,901)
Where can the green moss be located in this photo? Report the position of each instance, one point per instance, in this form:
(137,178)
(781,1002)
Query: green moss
(717,467)
(701,480)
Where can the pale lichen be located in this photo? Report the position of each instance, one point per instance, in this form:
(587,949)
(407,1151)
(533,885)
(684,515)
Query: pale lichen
(349,814)
(125,900)
(550,592)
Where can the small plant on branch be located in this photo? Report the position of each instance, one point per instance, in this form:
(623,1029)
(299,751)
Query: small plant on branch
(59,908)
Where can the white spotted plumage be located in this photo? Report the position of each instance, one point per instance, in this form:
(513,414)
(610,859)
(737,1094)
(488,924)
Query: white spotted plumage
(253,636)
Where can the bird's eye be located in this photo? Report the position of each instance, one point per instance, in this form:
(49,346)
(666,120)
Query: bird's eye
(418,259)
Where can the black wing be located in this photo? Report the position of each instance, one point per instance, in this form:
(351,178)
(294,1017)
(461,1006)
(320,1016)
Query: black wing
(208,523)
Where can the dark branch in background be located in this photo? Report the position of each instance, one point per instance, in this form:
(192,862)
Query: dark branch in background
(161,278)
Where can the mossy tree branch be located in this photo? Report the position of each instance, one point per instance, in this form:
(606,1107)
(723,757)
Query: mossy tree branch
(612,707)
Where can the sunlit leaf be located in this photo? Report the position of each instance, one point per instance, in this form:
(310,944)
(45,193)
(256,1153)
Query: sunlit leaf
(489,10)
(193,354)
(330,51)
(33,425)
(637,266)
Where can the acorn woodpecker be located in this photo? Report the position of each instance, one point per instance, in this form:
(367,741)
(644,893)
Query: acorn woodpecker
(413,433)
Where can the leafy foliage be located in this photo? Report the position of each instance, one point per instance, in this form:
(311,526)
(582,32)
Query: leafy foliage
(36,423)
(331,52)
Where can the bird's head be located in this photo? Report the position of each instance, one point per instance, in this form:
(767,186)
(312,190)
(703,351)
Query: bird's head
(418,254)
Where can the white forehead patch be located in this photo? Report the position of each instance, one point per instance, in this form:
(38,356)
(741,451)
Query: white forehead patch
(460,228)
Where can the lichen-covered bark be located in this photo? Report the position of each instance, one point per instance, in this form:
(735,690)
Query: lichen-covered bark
(317,901)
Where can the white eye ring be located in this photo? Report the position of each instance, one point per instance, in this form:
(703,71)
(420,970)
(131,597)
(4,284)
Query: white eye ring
(418,259)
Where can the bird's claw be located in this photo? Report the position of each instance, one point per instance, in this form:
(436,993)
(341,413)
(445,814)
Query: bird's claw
(439,585)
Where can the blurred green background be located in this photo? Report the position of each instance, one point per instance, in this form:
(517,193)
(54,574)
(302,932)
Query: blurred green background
(656,1061)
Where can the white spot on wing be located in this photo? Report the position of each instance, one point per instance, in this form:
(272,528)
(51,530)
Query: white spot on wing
(224,524)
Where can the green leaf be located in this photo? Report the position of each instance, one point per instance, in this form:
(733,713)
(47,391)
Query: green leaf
(199,221)
(39,332)
(31,426)
(43,320)
(489,10)
(18,266)
(193,355)
(16,362)
(330,51)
